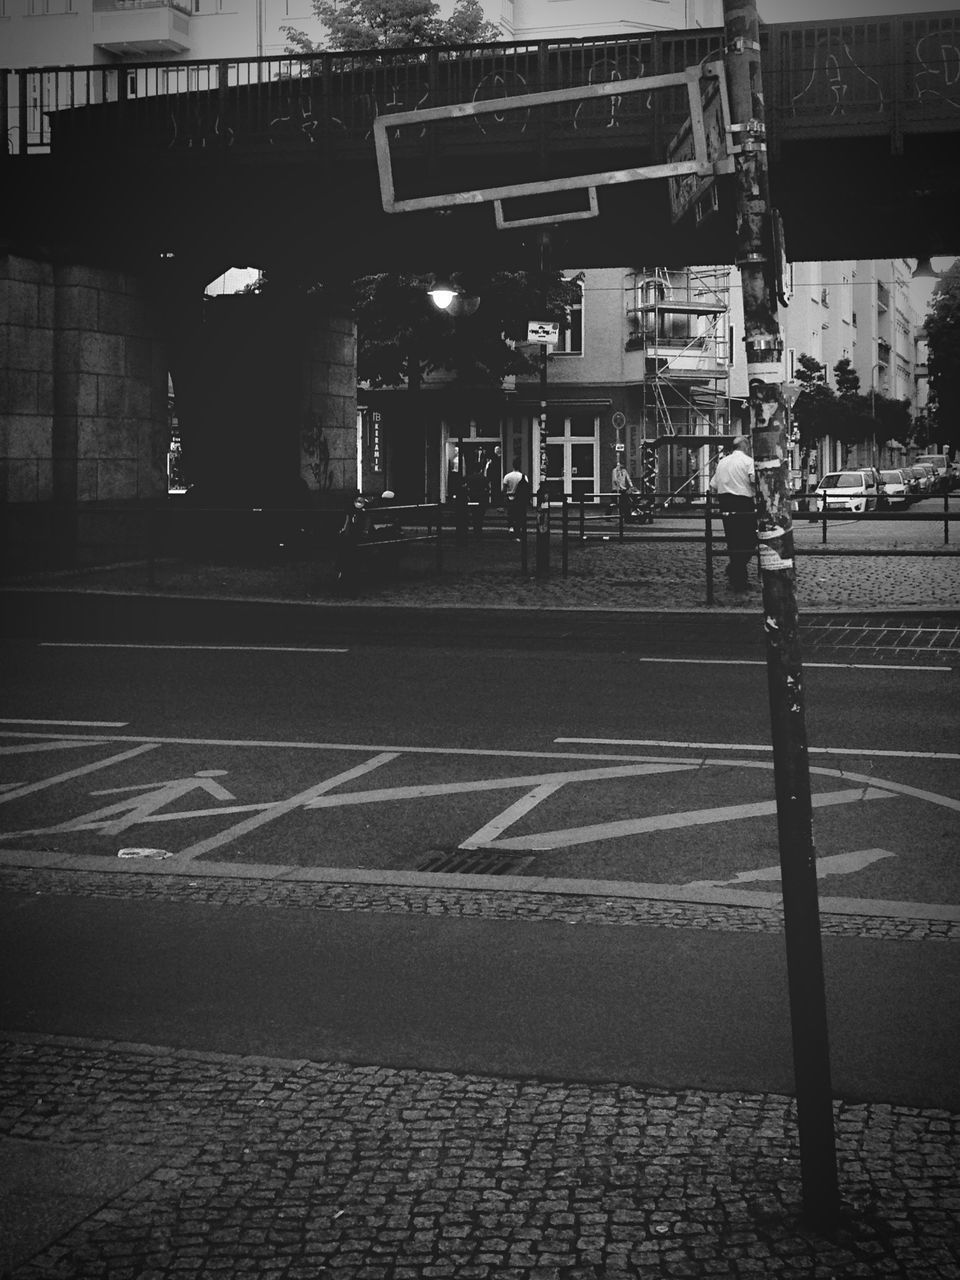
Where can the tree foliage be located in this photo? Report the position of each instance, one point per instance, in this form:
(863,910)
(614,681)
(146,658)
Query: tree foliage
(402,335)
(845,415)
(943,334)
(393,24)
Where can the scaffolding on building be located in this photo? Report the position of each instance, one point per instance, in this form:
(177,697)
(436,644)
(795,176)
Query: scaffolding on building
(681,325)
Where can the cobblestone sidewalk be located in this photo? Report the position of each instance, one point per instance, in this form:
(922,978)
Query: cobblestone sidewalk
(303,1170)
(486,572)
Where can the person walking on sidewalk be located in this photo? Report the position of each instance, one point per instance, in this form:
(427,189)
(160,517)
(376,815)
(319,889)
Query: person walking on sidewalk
(624,489)
(516,490)
(734,483)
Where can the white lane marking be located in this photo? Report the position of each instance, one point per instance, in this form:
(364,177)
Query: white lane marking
(761,662)
(837,864)
(270,648)
(60,745)
(513,813)
(564,839)
(481,752)
(284,806)
(211,648)
(261,743)
(494,784)
(77,773)
(757,746)
(71,724)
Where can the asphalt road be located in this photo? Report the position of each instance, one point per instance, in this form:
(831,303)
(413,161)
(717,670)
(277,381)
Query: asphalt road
(633,752)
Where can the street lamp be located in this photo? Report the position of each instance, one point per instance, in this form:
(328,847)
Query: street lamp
(446,296)
(442,295)
(925,270)
(873,408)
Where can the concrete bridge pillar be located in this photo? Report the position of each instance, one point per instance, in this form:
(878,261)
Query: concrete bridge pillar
(84,399)
(265,389)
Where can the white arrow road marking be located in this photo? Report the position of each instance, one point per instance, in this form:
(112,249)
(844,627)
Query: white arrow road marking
(77,773)
(837,864)
(543,840)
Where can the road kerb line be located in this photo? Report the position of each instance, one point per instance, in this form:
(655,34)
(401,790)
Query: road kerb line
(756,746)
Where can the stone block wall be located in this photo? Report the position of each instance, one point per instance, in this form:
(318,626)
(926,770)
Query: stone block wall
(26,380)
(328,440)
(83,403)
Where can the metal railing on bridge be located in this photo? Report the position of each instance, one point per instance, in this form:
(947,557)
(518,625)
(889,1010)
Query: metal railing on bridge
(881,75)
(308,100)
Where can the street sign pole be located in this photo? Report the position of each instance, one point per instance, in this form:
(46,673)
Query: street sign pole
(771,449)
(546,332)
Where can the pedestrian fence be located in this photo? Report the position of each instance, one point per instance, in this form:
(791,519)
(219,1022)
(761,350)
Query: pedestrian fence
(143,538)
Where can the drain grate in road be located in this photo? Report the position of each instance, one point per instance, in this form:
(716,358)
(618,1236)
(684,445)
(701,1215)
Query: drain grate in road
(475,862)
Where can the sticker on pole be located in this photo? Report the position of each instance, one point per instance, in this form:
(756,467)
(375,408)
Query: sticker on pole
(545,331)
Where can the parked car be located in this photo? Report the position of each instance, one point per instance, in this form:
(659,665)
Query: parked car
(856,491)
(913,478)
(895,492)
(941,466)
(926,477)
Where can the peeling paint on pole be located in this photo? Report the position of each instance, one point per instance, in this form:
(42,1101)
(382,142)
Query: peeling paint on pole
(755,256)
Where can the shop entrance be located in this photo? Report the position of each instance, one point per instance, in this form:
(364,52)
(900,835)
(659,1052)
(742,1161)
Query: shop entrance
(466,455)
(573,457)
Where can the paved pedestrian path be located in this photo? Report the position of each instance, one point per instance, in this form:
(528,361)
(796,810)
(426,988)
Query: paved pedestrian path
(231,1087)
(176,1163)
(662,568)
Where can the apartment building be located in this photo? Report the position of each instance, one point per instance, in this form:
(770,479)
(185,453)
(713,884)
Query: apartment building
(90,32)
(567,19)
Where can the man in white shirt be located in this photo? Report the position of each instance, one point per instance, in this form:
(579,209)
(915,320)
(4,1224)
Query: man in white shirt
(734,483)
(516,492)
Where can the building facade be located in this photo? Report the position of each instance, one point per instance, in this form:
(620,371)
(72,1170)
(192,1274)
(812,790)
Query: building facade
(89,32)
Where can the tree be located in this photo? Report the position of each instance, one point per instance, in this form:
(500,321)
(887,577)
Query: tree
(402,335)
(393,24)
(845,415)
(848,380)
(943,335)
(815,411)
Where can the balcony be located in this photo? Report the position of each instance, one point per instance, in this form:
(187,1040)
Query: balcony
(142,28)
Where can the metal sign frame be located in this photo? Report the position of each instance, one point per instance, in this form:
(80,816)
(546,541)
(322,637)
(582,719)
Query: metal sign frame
(709,131)
(700,163)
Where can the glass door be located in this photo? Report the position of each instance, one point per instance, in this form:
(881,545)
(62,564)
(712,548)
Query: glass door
(573,458)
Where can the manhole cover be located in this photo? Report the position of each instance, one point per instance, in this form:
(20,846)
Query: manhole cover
(474,862)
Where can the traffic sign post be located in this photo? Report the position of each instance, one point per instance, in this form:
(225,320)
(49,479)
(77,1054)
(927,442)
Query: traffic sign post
(770,424)
(543,500)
